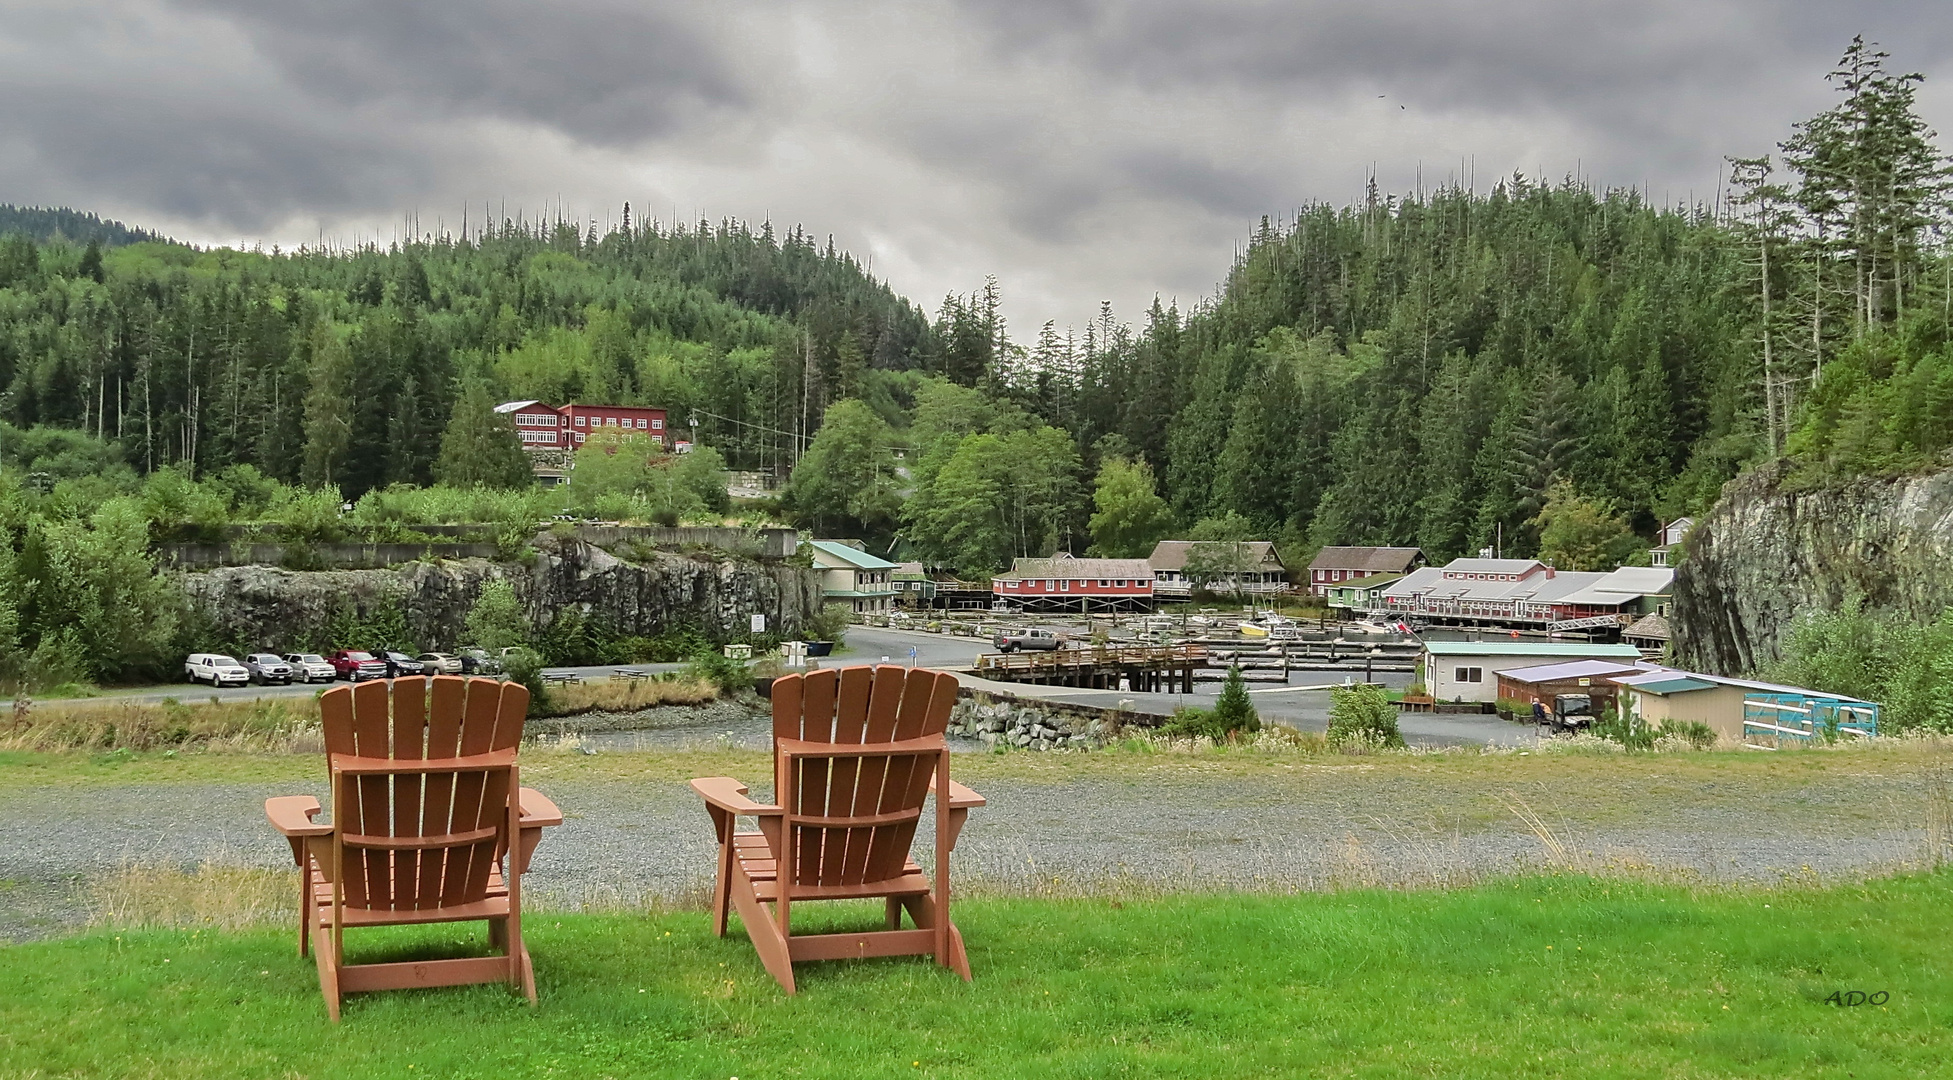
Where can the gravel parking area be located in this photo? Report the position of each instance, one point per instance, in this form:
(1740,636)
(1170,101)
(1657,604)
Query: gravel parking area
(1096,824)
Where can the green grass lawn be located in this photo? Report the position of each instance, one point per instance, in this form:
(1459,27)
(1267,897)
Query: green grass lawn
(1542,977)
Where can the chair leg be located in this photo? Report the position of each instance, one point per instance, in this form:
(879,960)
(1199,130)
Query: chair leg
(498,934)
(306,908)
(328,971)
(922,909)
(529,977)
(959,961)
(894,913)
(721,890)
(768,941)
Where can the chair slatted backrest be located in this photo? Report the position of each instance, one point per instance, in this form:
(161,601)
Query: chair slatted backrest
(857,706)
(422,838)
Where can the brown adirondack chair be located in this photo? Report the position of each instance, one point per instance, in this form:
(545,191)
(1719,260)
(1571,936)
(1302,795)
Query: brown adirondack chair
(855,752)
(426,805)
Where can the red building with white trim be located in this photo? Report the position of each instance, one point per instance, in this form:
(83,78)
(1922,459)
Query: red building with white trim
(539,426)
(1063,583)
(582,421)
(542,426)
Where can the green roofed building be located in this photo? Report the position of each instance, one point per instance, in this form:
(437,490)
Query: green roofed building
(851,576)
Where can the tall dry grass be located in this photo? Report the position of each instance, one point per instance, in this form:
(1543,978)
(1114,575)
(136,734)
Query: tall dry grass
(276,725)
(221,893)
(619,695)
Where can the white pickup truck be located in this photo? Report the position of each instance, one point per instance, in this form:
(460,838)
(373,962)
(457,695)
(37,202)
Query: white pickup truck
(215,669)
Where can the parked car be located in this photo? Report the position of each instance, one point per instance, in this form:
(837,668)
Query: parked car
(311,667)
(268,668)
(476,661)
(215,669)
(357,666)
(440,663)
(399,663)
(1032,639)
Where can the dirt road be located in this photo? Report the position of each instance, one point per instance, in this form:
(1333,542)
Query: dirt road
(1100,822)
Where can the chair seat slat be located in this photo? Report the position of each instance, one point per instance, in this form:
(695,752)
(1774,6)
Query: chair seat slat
(423,843)
(365,766)
(926,744)
(858,821)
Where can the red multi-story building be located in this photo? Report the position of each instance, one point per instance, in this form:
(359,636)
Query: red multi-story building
(583,421)
(541,426)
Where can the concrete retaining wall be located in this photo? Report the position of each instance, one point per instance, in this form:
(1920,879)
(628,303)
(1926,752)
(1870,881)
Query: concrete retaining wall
(314,556)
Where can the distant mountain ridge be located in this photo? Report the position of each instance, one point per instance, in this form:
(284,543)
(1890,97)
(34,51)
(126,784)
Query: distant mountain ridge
(44,223)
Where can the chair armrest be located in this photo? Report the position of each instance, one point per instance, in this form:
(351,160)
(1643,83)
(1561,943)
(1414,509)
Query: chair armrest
(293,814)
(537,810)
(729,795)
(960,797)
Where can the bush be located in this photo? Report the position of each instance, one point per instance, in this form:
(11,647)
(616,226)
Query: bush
(1362,715)
(1903,665)
(668,646)
(830,624)
(1625,728)
(525,666)
(715,667)
(495,620)
(1694,732)
(1191,723)
(1512,708)
(1232,714)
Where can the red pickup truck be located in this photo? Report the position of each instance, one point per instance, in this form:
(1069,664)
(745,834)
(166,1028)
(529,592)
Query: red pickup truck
(356,665)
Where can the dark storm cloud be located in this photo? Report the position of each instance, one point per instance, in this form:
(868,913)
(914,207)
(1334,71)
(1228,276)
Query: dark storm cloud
(1078,149)
(1658,86)
(612,74)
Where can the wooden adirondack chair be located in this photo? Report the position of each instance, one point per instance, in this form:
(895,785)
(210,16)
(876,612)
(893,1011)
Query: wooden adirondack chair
(422,819)
(855,752)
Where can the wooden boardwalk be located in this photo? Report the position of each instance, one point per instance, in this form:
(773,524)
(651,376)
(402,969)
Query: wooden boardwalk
(1143,668)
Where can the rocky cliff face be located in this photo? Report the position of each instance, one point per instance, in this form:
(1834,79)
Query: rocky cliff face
(262,607)
(1768,552)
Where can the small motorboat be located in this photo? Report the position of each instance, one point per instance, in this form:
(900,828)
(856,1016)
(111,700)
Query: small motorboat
(1252,629)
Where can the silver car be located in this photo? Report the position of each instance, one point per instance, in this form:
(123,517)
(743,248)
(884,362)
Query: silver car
(440,663)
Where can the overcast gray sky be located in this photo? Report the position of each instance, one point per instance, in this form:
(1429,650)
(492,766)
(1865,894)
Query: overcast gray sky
(1080,150)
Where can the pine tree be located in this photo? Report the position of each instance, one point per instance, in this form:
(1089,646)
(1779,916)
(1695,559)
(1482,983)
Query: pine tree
(1234,711)
(480,446)
(328,407)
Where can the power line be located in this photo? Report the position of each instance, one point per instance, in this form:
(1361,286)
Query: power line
(763,427)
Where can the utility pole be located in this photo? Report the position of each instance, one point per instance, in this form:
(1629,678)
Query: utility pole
(806,388)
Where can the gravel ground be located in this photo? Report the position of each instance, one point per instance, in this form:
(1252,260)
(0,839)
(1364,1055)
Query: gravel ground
(1062,830)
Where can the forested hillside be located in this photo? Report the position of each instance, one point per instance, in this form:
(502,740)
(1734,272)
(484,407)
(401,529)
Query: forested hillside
(342,366)
(48,223)
(1539,368)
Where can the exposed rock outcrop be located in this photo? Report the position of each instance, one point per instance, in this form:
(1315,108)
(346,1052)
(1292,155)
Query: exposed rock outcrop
(1770,551)
(262,607)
